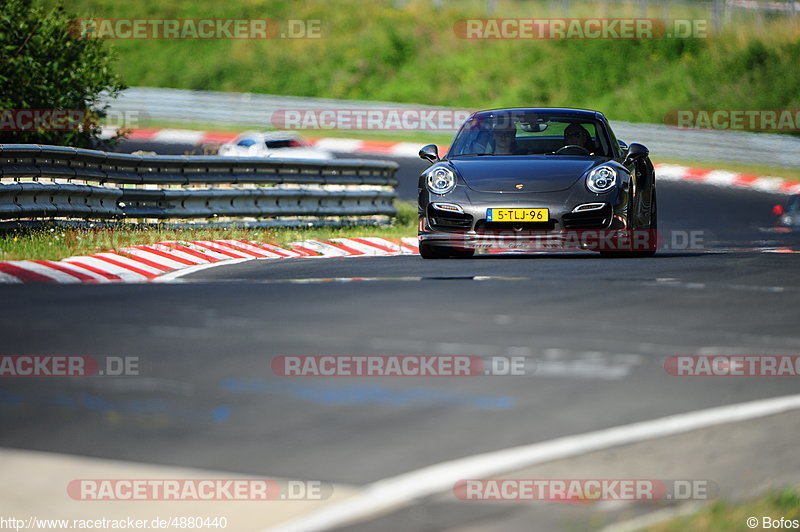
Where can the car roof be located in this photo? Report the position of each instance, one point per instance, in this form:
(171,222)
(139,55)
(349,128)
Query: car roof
(578,113)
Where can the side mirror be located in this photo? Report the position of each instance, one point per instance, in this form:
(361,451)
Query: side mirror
(777,210)
(624,148)
(429,153)
(635,152)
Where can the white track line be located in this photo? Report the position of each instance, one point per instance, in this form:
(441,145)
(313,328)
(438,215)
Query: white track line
(177,274)
(395,492)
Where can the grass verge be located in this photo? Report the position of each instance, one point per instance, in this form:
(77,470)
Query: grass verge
(724,516)
(410,51)
(58,243)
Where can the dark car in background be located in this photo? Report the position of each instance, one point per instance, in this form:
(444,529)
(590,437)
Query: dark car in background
(789,214)
(517,176)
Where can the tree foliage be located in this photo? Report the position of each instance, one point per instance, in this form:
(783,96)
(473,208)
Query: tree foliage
(46,65)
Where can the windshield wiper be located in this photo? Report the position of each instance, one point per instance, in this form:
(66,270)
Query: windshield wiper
(471,155)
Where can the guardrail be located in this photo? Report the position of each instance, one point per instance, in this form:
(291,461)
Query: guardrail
(62,182)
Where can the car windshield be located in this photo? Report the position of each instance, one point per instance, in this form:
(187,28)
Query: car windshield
(515,133)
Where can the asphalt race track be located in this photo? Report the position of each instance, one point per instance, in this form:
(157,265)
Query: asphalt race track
(595,333)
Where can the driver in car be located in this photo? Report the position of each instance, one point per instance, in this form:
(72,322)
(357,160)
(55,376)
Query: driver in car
(576,135)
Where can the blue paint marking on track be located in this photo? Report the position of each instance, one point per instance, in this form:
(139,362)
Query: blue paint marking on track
(219,414)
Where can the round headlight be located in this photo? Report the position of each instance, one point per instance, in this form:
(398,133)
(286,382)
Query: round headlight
(601,179)
(441,180)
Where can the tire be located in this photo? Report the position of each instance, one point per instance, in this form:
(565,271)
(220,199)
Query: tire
(430,251)
(653,231)
(644,253)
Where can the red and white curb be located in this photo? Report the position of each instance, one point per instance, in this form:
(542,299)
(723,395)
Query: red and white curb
(164,260)
(723,178)
(668,172)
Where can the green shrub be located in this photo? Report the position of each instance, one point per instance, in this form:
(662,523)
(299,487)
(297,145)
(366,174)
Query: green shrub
(43,67)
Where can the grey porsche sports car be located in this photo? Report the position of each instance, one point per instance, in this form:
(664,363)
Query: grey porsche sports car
(515,178)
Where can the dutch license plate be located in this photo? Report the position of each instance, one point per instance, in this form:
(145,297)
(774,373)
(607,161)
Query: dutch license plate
(517,215)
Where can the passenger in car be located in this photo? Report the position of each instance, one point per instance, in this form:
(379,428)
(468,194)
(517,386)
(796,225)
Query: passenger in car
(482,143)
(497,142)
(505,142)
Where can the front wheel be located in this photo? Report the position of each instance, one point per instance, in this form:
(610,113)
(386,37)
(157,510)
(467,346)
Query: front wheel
(431,251)
(652,238)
